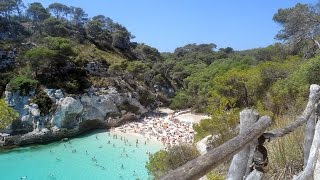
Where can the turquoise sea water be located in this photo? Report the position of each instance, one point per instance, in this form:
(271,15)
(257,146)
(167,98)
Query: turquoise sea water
(59,161)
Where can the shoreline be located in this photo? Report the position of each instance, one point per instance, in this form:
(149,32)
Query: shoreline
(132,135)
(165,126)
(162,126)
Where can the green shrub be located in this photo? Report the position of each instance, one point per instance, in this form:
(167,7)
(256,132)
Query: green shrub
(43,101)
(22,84)
(4,80)
(7,114)
(180,101)
(72,86)
(146,98)
(163,161)
(221,125)
(215,176)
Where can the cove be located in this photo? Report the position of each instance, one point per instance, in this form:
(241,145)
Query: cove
(82,158)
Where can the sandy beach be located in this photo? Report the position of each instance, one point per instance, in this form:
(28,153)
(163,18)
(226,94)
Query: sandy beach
(165,125)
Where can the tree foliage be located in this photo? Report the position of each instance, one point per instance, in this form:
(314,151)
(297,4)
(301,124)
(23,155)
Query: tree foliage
(107,33)
(23,85)
(40,59)
(79,16)
(59,9)
(147,53)
(7,114)
(163,161)
(6,8)
(37,13)
(301,25)
(56,27)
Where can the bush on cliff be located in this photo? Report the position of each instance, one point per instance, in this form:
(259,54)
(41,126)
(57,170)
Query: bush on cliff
(43,101)
(22,84)
(7,114)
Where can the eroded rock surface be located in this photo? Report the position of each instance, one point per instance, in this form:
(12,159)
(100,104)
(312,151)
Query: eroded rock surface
(97,108)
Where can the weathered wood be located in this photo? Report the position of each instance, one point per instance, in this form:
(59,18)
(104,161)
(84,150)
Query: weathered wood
(313,99)
(308,137)
(253,146)
(239,162)
(255,175)
(307,173)
(201,165)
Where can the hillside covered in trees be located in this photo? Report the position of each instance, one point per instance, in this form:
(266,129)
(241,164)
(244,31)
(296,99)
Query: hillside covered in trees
(61,47)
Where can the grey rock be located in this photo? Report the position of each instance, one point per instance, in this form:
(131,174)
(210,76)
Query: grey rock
(65,115)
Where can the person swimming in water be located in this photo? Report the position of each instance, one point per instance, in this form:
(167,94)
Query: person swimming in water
(51,175)
(94,159)
(24,177)
(122,166)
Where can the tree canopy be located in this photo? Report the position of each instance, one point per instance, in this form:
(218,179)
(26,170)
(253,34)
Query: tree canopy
(300,26)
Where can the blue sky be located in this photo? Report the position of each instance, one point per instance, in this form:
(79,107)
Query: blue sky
(167,24)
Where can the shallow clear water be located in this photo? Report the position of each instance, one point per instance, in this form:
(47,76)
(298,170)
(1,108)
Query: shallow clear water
(56,161)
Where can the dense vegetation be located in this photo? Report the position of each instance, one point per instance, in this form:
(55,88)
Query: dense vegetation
(7,114)
(164,161)
(274,80)
(56,44)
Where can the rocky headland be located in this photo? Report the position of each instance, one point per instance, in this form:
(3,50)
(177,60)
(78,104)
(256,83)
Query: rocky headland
(73,114)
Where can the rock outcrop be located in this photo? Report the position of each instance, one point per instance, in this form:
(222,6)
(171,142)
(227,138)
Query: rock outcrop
(97,108)
(67,113)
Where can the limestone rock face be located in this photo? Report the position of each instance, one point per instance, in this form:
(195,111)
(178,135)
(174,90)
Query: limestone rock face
(54,94)
(28,113)
(31,113)
(97,107)
(67,112)
(105,105)
(17,101)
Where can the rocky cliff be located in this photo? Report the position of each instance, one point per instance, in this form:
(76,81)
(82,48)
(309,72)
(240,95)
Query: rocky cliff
(73,114)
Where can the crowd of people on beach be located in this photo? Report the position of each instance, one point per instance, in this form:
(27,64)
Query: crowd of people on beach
(164,127)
